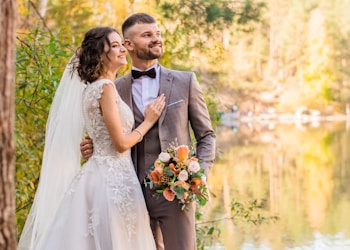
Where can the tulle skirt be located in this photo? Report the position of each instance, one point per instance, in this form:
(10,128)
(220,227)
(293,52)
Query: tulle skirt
(104,209)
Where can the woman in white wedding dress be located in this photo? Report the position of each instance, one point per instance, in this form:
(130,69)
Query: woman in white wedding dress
(100,205)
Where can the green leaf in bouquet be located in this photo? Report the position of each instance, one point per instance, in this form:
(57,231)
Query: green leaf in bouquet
(168,171)
(179,191)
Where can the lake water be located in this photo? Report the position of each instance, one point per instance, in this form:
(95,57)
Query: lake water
(300,171)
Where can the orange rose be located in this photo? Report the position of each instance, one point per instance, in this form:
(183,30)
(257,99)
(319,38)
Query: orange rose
(195,183)
(174,169)
(168,194)
(182,152)
(155,176)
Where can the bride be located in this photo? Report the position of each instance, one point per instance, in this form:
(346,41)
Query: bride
(100,205)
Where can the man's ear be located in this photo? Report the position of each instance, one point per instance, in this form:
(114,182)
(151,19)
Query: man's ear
(128,44)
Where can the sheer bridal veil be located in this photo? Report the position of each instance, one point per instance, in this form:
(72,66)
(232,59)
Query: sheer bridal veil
(61,158)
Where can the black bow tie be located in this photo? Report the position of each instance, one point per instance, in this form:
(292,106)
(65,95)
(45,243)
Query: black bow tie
(136,74)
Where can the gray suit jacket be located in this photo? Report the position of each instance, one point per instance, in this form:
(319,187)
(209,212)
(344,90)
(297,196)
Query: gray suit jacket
(185,108)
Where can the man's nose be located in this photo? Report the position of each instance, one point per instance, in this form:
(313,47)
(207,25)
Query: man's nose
(156,38)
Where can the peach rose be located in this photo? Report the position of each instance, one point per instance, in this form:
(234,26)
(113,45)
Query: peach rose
(168,194)
(158,163)
(159,166)
(191,160)
(182,184)
(182,152)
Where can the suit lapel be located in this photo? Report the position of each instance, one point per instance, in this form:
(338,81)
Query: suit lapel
(165,86)
(124,87)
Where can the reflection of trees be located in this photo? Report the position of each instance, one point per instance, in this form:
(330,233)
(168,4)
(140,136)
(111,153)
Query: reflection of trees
(299,173)
(318,185)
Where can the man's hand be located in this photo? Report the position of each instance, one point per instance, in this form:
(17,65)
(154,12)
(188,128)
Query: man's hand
(86,148)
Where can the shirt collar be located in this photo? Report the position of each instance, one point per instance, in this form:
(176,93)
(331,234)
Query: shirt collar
(155,66)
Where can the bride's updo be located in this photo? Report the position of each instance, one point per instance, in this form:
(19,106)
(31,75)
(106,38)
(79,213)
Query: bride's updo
(89,63)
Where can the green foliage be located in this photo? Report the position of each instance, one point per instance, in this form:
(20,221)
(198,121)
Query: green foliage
(206,232)
(210,99)
(193,32)
(209,15)
(198,25)
(72,18)
(39,60)
(317,72)
(251,212)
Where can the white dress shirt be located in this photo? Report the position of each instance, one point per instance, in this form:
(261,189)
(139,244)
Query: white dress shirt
(145,89)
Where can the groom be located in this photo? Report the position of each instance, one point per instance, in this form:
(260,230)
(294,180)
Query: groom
(173,228)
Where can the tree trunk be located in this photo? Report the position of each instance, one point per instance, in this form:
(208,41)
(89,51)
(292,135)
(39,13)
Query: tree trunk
(7,145)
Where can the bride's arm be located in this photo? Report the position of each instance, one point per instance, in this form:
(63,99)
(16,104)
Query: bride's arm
(110,111)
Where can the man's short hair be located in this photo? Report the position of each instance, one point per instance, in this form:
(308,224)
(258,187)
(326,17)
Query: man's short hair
(136,18)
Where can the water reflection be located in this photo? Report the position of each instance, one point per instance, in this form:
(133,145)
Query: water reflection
(302,173)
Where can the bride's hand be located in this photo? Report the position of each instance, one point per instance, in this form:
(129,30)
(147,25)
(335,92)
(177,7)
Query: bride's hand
(155,109)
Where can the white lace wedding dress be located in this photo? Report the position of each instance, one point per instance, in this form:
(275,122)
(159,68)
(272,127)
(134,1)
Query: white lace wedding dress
(104,208)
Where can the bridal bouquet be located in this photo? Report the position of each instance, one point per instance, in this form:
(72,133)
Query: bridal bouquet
(177,175)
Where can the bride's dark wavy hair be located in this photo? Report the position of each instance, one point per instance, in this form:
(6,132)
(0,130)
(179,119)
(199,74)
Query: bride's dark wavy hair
(88,57)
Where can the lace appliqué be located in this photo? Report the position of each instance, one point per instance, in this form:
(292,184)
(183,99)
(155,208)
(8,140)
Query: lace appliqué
(120,179)
(76,179)
(94,221)
(122,198)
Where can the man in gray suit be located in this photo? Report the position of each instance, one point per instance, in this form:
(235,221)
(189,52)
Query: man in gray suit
(173,228)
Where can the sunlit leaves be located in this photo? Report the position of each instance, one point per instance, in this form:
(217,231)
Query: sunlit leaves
(195,28)
(317,72)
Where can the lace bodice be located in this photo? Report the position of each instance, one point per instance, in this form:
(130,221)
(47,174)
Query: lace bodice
(95,125)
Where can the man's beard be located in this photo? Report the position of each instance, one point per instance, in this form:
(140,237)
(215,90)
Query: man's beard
(148,55)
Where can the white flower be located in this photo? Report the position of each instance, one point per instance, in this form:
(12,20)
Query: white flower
(194,166)
(183,175)
(204,179)
(164,157)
